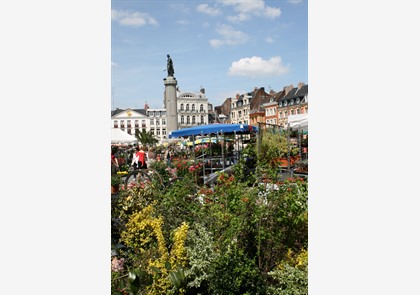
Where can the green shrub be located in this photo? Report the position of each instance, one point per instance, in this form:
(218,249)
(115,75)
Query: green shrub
(201,255)
(291,277)
(235,273)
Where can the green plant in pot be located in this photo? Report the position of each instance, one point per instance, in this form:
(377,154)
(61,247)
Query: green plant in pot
(116,180)
(302,165)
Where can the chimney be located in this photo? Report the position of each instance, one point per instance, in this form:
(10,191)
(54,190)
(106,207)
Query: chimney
(146,106)
(237,96)
(288,88)
(300,85)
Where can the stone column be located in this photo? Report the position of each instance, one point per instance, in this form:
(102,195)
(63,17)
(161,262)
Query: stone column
(170,104)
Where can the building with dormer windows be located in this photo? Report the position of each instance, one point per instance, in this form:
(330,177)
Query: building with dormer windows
(294,102)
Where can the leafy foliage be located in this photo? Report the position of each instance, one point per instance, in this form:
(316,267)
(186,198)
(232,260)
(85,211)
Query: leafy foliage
(234,237)
(291,277)
(146,138)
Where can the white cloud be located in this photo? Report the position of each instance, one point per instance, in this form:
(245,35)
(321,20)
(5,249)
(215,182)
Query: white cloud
(229,36)
(295,1)
(244,6)
(272,12)
(245,9)
(204,8)
(257,66)
(183,22)
(238,18)
(269,40)
(133,19)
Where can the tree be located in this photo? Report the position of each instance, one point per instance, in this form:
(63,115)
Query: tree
(146,137)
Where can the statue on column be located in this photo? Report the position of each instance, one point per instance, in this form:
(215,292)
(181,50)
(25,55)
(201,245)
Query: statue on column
(170,66)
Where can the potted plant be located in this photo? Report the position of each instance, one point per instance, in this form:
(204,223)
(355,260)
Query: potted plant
(301,166)
(116,181)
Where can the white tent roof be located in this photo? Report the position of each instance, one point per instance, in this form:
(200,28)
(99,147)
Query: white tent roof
(119,136)
(299,122)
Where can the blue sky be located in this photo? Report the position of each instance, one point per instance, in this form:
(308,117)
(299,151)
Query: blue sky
(224,46)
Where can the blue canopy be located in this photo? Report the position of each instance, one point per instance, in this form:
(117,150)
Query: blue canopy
(214,129)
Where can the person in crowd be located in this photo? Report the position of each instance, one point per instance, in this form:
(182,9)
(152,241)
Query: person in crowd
(150,156)
(114,162)
(168,156)
(135,159)
(142,158)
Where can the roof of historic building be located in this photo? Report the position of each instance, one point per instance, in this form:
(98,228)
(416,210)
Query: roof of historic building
(296,92)
(259,97)
(118,111)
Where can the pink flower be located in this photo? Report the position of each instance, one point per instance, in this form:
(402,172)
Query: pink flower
(117,264)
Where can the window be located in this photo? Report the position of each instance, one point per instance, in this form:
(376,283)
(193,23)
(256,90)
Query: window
(163,121)
(193,107)
(188,119)
(182,119)
(163,131)
(298,111)
(122,123)
(187,107)
(201,108)
(157,122)
(136,123)
(152,122)
(202,120)
(182,106)
(193,119)
(115,124)
(157,131)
